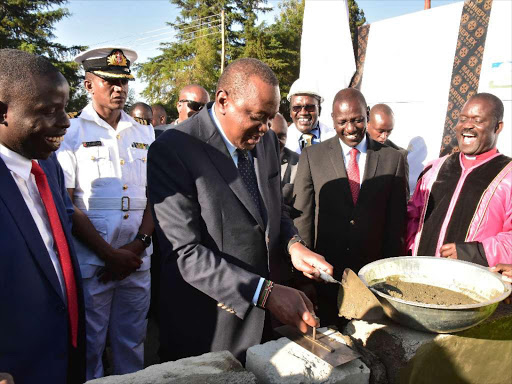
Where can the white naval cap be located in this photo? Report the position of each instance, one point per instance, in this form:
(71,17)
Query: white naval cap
(304,87)
(108,62)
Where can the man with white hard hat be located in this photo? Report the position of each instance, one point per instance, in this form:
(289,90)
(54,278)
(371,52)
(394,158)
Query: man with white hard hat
(305,110)
(103,156)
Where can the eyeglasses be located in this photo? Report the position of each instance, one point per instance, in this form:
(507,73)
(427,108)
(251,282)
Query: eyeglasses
(307,107)
(193,105)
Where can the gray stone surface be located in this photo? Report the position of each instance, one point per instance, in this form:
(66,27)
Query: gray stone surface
(210,368)
(285,362)
(415,357)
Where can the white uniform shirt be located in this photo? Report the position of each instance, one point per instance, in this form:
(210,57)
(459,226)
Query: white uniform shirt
(21,168)
(102,162)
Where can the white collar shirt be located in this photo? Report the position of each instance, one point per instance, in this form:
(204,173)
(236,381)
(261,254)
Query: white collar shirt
(362,147)
(102,162)
(20,168)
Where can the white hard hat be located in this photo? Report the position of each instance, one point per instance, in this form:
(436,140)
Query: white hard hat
(304,87)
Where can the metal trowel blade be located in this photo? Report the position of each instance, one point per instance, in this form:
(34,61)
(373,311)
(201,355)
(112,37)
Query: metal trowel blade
(356,301)
(341,353)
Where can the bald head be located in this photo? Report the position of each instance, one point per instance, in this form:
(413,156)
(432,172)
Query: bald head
(159,115)
(191,100)
(142,111)
(381,123)
(280,127)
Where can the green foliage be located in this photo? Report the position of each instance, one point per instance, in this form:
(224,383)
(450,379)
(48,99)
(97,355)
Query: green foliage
(28,25)
(195,56)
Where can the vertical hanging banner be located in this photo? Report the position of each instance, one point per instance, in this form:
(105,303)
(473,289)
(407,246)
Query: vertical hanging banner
(467,65)
(326,51)
(362,42)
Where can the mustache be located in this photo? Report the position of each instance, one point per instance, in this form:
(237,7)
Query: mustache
(469,131)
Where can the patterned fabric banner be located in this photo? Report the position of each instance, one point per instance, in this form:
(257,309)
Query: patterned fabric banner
(362,42)
(466,66)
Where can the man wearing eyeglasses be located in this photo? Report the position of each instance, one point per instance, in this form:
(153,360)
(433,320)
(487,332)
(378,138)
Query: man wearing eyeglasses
(192,99)
(305,109)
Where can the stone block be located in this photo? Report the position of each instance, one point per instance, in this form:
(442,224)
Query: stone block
(285,362)
(210,368)
(482,354)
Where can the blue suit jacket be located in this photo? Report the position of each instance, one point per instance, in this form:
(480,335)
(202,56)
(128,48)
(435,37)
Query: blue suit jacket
(34,329)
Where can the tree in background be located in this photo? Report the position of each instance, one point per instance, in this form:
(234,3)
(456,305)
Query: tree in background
(195,56)
(28,25)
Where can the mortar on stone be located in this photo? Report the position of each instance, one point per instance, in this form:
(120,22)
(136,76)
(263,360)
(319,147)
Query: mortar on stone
(477,282)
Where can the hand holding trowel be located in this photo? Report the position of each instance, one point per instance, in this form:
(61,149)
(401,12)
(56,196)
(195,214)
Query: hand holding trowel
(355,300)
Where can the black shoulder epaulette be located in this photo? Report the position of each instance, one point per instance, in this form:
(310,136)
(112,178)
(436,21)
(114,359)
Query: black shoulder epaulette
(142,121)
(73,115)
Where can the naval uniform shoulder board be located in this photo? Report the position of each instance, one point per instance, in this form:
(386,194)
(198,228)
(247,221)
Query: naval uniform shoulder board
(141,121)
(73,115)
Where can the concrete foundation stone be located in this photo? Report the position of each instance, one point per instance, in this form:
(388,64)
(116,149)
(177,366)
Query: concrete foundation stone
(482,354)
(210,368)
(285,362)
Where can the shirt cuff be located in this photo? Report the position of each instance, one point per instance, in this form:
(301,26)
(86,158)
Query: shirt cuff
(258,290)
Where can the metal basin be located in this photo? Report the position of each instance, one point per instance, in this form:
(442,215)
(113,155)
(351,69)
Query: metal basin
(473,280)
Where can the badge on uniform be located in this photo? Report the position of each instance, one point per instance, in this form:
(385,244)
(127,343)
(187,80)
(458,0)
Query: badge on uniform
(140,145)
(87,144)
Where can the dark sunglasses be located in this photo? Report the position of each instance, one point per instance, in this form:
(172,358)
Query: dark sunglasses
(193,105)
(307,107)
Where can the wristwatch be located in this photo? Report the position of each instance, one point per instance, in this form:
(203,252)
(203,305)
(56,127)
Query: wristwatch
(293,240)
(146,239)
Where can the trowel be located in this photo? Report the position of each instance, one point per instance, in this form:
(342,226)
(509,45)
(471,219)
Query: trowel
(355,300)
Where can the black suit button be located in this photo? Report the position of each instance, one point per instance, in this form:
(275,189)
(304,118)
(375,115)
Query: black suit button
(348,249)
(352,222)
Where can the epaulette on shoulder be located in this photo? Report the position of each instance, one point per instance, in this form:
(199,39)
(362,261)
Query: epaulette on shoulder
(141,121)
(74,115)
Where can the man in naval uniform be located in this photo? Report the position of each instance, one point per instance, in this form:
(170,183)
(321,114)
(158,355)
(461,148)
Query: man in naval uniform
(103,156)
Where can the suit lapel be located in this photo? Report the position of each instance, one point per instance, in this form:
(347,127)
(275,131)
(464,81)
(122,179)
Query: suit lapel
(261,175)
(335,154)
(15,203)
(372,160)
(223,161)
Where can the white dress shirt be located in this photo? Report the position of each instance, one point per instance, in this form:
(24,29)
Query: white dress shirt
(361,156)
(20,168)
(101,162)
(234,155)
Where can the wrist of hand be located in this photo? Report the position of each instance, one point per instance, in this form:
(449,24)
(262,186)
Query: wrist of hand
(265,292)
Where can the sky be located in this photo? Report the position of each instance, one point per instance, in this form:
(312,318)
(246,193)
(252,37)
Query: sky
(141,24)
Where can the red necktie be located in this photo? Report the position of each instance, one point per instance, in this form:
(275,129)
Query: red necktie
(62,248)
(353,175)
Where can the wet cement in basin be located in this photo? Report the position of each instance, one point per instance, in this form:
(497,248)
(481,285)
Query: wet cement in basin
(422,293)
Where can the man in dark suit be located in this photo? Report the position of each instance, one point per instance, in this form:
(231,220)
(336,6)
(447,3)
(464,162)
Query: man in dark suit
(214,186)
(350,194)
(289,159)
(42,337)
(380,125)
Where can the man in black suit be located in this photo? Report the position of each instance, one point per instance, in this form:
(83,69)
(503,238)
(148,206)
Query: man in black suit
(289,159)
(380,125)
(42,320)
(350,194)
(214,187)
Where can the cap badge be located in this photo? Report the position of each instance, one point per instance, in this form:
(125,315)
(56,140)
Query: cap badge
(117,58)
